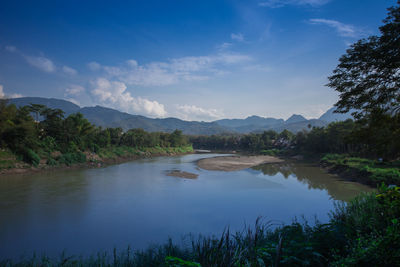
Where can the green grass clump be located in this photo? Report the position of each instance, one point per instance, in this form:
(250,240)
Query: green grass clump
(72,158)
(270,152)
(29,156)
(7,159)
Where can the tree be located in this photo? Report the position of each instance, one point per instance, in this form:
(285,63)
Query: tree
(368,75)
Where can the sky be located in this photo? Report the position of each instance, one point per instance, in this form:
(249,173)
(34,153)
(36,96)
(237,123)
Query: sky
(191,59)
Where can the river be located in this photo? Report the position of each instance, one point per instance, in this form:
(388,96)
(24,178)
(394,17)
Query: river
(85,211)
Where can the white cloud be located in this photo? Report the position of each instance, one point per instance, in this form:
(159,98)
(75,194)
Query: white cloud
(192,112)
(94,66)
(3,95)
(41,63)
(11,48)
(344,30)
(237,37)
(74,90)
(224,46)
(69,70)
(114,93)
(282,3)
(174,70)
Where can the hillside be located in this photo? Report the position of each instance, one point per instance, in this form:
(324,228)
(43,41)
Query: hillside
(107,117)
(67,106)
(330,116)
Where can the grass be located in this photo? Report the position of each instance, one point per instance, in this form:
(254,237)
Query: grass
(7,159)
(374,171)
(366,232)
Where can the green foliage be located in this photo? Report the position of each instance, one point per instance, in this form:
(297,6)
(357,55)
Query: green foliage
(71,158)
(374,171)
(51,162)
(177,262)
(367,75)
(7,159)
(270,152)
(246,142)
(30,156)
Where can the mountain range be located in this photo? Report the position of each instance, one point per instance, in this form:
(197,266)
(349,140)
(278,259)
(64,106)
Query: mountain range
(107,117)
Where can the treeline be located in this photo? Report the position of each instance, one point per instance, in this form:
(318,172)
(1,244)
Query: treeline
(375,136)
(31,139)
(253,142)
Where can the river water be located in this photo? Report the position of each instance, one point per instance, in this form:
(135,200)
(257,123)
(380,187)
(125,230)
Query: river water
(85,211)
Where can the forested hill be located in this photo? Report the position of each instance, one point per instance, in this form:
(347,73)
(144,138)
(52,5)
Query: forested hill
(107,117)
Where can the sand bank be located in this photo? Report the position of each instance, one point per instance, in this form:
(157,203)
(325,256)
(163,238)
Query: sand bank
(182,174)
(235,163)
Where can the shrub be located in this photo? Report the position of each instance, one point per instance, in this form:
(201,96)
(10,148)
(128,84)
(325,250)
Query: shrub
(30,156)
(71,158)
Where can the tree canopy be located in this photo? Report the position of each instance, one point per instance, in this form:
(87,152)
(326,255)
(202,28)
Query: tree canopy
(368,75)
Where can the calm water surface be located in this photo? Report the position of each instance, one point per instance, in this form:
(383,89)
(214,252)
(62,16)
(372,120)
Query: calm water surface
(137,204)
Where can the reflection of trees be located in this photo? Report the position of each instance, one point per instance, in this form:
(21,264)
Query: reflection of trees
(274,169)
(315,178)
(46,196)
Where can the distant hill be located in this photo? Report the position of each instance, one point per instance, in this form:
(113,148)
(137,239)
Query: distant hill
(330,116)
(107,117)
(67,106)
(295,118)
(252,120)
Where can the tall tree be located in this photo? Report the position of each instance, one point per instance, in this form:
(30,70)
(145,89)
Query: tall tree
(368,75)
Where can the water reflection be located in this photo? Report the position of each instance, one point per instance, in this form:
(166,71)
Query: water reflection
(136,203)
(315,178)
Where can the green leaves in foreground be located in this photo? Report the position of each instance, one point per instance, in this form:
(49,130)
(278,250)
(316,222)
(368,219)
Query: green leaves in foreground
(177,262)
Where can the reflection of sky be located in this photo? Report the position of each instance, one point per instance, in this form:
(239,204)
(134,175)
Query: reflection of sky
(136,203)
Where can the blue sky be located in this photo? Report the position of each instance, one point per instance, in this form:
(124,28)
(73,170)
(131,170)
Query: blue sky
(195,60)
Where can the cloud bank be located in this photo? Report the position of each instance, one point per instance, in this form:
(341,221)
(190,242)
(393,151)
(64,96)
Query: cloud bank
(114,94)
(172,71)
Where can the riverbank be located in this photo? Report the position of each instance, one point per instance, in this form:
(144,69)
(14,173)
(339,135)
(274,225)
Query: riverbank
(10,164)
(365,171)
(235,163)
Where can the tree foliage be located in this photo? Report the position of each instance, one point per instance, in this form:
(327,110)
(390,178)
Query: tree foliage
(368,75)
(30,138)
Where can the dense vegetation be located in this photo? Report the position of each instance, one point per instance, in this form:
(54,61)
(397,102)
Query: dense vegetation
(59,140)
(366,232)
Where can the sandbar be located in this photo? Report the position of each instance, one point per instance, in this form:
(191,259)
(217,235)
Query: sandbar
(235,163)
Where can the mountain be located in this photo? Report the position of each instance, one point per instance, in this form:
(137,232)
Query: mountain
(102,116)
(252,120)
(66,106)
(295,118)
(107,117)
(330,116)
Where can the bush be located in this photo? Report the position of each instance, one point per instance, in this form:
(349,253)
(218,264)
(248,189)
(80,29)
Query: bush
(51,162)
(30,156)
(71,158)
